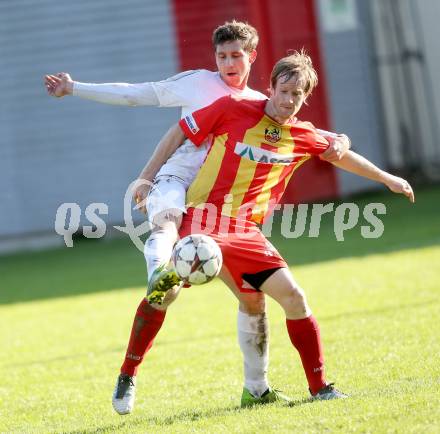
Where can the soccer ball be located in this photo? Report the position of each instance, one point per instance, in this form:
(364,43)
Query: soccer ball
(197,259)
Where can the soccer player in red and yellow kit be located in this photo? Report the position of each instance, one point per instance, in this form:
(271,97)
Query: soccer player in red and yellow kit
(256,147)
(234,46)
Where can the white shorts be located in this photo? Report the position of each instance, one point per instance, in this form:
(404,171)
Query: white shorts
(168,193)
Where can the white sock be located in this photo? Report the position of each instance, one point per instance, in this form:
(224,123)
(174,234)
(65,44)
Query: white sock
(253,338)
(158,249)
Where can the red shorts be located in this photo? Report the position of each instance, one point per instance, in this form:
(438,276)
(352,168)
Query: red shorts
(245,249)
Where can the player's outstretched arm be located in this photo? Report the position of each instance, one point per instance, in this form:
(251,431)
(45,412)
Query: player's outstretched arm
(359,165)
(127,94)
(172,139)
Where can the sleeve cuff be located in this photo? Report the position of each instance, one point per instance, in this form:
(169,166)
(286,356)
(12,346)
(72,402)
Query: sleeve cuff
(189,132)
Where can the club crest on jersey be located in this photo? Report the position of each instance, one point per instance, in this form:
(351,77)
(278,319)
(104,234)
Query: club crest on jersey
(272,134)
(192,124)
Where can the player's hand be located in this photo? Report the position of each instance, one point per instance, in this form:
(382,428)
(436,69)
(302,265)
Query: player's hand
(59,85)
(141,189)
(400,185)
(339,145)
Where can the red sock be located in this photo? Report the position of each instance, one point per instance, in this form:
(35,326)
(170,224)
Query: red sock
(305,337)
(146,325)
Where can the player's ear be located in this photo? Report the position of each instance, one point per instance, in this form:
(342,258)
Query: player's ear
(252,56)
(271,91)
(305,99)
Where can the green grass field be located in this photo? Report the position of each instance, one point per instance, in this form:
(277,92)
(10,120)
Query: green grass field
(65,317)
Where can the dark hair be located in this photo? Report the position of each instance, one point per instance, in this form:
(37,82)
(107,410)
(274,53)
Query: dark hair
(236,31)
(297,64)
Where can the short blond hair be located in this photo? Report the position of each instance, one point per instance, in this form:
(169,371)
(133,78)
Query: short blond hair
(236,31)
(297,64)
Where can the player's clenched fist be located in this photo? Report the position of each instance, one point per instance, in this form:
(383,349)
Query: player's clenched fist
(141,189)
(59,85)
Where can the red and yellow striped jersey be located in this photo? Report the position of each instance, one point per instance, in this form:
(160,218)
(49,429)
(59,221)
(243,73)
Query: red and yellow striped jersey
(251,157)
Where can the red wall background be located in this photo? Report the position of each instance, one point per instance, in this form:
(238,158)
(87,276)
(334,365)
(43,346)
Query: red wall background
(282,26)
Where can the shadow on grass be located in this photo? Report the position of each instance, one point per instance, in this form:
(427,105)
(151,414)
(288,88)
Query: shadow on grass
(120,350)
(184,416)
(208,338)
(100,265)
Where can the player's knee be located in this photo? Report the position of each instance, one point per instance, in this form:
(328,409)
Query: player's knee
(253,304)
(295,301)
(170,220)
(168,227)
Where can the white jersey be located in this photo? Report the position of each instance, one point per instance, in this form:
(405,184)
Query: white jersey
(190,90)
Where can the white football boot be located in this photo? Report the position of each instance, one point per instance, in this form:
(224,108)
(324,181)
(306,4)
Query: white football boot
(124,394)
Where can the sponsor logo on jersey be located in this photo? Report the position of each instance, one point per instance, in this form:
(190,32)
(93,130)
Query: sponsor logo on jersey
(272,134)
(263,155)
(192,124)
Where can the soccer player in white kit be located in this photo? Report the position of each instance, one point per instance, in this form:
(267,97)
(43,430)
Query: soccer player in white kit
(235,45)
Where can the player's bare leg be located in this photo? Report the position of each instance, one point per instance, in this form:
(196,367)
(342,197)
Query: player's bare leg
(303,331)
(253,338)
